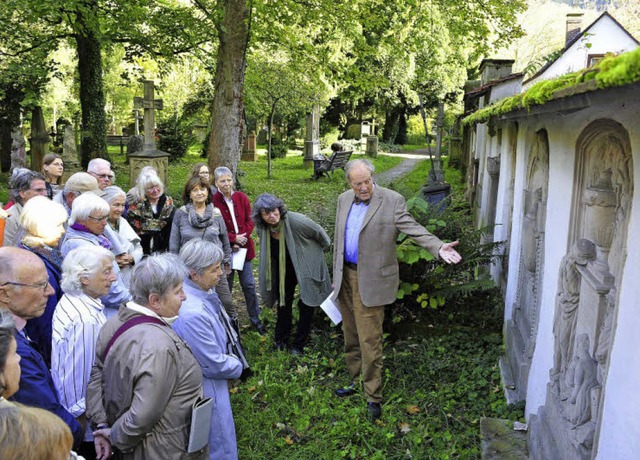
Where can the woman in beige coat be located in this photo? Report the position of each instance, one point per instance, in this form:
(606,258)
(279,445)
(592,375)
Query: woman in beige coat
(147,377)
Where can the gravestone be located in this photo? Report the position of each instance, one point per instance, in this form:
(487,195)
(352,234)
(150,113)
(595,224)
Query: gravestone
(249,151)
(149,155)
(39,139)
(523,327)
(263,136)
(587,296)
(18,150)
(70,153)
(372,146)
(135,144)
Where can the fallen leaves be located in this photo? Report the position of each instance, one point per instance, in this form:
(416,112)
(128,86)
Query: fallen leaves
(412,409)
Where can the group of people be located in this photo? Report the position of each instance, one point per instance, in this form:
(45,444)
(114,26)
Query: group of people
(120,304)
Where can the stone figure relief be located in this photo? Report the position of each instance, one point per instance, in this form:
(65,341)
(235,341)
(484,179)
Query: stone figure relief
(535,197)
(566,313)
(586,302)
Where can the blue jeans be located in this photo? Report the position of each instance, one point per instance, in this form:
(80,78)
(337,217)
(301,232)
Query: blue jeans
(248,284)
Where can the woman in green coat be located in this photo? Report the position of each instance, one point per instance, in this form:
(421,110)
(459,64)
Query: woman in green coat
(292,250)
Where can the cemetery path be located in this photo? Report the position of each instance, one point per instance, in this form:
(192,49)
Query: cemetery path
(403,168)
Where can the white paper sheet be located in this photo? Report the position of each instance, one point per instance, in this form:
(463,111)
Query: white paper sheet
(330,307)
(237,259)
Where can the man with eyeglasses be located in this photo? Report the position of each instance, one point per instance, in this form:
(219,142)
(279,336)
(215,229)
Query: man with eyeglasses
(24,186)
(24,289)
(101,170)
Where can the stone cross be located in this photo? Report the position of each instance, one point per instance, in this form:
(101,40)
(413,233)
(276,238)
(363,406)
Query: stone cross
(149,104)
(137,118)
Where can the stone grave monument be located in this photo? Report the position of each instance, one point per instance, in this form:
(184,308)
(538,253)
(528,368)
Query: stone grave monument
(249,150)
(149,155)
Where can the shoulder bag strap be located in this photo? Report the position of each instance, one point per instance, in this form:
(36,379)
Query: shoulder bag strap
(128,325)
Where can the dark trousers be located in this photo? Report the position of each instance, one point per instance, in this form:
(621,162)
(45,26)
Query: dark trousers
(285,314)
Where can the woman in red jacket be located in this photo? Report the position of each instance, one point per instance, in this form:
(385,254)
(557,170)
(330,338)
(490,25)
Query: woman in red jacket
(236,212)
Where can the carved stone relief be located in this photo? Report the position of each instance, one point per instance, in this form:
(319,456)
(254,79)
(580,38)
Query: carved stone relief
(523,328)
(586,301)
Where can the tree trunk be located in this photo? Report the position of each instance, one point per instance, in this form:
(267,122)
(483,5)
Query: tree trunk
(391,122)
(92,100)
(9,119)
(227,112)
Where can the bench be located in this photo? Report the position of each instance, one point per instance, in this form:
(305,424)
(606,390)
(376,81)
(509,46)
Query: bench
(121,141)
(324,166)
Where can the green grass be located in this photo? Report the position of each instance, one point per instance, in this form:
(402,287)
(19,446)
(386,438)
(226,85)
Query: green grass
(441,376)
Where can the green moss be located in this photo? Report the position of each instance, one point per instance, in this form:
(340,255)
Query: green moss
(611,72)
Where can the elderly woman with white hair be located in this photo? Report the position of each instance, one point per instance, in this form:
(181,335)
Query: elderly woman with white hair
(205,326)
(152,214)
(145,379)
(236,212)
(87,275)
(89,215)
(129,239)
(43,221)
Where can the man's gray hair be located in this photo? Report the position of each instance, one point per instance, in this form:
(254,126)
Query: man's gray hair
(82,261)
(222,171)
(198,254)
(21,182)
(156,274)
(85,204)
(359,162)
(96,163)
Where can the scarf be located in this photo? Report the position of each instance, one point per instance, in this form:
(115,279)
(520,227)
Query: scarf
(36,246)
(102,240)
(282,260)
(198,221)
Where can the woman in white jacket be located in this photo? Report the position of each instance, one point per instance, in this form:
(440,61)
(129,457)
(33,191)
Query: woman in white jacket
(116,198)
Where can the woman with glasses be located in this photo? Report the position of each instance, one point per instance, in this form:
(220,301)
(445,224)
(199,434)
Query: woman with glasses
(292,250)
(52,171)
(43,221)
(152,214)
(88,220)
(199,219)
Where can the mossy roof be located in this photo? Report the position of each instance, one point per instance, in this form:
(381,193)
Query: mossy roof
(611,72)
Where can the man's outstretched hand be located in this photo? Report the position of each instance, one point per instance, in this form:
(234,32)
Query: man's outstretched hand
(448,254)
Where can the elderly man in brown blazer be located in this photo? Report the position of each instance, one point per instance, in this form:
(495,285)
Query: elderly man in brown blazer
(365,271)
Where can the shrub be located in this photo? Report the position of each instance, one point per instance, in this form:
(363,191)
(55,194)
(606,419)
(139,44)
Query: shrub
(279,149)
(428,282)
(174,138)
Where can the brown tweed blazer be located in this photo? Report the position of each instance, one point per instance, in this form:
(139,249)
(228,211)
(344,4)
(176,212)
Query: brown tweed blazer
(386,217)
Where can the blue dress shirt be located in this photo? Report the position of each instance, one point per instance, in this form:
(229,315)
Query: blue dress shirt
(354,224)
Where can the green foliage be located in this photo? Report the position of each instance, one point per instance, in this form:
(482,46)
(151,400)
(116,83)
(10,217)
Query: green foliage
(173,138)
(279,149)
(426,281)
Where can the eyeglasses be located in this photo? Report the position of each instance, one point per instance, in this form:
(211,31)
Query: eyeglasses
(104,176)
(39,190)
(99,219)
(57,164)
(42,285)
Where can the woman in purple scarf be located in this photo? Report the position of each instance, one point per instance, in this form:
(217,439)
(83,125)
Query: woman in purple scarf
(89,214)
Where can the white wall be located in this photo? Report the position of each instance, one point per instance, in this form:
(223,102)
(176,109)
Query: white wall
(605,37)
